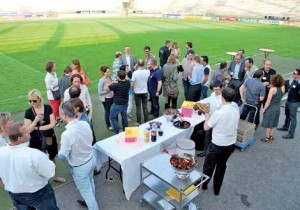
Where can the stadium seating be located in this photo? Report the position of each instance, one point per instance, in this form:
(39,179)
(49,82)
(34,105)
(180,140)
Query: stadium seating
(231,8)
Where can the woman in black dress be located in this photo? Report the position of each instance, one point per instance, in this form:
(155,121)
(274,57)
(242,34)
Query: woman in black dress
(40,122)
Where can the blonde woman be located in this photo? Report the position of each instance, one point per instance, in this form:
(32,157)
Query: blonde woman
(5,122)
(40,121)
(170,77)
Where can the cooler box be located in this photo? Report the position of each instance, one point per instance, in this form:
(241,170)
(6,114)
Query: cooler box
(131,134)
(187,108)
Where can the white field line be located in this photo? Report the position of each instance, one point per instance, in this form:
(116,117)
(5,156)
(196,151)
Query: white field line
(23,64)
(3,101)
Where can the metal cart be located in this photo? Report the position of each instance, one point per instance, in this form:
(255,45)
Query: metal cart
(246,131)
(158,177)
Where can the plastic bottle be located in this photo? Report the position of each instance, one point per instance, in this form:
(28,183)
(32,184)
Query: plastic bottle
(154,127)
(153,135)
(146,135)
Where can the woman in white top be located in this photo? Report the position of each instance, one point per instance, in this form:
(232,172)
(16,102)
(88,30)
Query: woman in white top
(5,122)
(51,81)
(106,97)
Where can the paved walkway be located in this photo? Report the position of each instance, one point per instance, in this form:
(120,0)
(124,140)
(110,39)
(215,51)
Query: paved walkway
(264,176)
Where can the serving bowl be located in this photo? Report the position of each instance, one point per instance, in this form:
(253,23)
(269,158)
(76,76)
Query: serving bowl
(182,124)
(183,166)
(171,114)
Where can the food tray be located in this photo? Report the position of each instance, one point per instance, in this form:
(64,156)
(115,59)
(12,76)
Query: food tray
(182,124)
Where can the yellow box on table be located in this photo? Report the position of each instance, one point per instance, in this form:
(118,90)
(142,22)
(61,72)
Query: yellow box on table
(131,134)
(187,108)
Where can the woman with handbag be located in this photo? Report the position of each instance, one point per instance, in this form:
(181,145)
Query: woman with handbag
(40,121)
(170,77)
(53,93)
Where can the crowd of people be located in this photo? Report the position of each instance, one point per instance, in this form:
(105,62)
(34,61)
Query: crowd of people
(29,148)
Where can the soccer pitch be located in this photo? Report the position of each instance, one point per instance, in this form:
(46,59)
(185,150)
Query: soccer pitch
(25,46)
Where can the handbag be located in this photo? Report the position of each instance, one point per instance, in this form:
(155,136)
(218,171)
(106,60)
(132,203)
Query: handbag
(56,94)
(173,93)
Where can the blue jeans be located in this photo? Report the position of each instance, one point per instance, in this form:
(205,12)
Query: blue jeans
(84,179)
(41,199)
(114,112)
(204,92)
(291,117)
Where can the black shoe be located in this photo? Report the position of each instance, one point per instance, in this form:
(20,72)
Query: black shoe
(288,136)
(282,129)
(216,192)
(202,154)
(82,203)
(204,187)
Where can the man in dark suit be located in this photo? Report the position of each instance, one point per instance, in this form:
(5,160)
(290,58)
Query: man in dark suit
(237,73)
(129,60)
(164,53)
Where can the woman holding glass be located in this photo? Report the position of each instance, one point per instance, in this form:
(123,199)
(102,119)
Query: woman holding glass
(40,121)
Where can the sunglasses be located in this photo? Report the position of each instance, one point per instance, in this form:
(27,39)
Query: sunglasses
(32,101)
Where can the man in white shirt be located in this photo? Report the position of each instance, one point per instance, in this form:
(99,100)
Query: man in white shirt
(25,172)
(140,88)
(225,124)
(187,65)
(215,103)
(76,148)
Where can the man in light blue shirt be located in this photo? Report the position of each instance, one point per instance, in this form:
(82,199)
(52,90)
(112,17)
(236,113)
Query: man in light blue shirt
(195,81)
(76,148)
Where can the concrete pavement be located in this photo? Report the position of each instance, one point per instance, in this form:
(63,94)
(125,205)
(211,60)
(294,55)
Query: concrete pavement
(264,176)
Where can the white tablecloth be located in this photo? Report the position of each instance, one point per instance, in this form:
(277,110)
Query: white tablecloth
(131,155)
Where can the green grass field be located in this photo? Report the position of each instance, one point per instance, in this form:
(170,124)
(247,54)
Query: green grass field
(25,46)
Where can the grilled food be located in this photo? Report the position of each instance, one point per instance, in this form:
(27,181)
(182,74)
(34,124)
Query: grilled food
(202,107)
